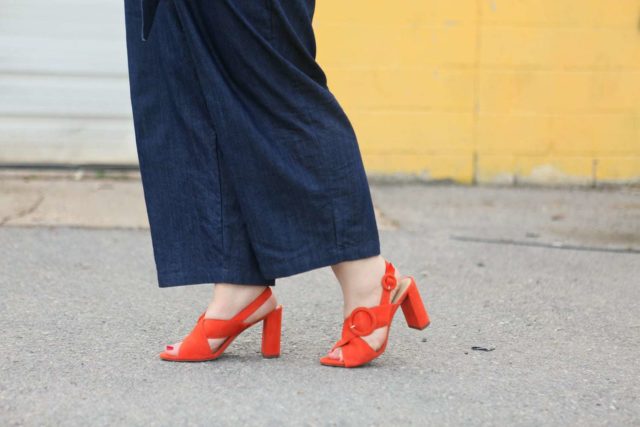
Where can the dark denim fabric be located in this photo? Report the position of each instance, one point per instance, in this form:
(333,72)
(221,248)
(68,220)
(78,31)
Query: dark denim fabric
(149,8)
(251,170)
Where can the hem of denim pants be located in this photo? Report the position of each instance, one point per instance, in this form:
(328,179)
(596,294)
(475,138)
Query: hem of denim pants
(319,259)
(167,280)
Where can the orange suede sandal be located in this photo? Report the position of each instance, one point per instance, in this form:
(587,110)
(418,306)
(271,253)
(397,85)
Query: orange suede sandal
(195,347)
(364,320)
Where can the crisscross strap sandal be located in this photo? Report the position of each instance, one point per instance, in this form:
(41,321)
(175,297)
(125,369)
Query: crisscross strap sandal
(195,347)
(364,320)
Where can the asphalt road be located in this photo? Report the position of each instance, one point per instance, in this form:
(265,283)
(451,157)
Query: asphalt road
(548,279)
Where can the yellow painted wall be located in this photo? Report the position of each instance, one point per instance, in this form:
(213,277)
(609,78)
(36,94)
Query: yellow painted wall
(492,90)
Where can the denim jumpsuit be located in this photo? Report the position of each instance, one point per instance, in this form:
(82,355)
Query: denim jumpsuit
(250,168)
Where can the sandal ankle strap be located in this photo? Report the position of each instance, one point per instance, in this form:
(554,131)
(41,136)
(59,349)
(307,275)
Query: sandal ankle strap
(388,282)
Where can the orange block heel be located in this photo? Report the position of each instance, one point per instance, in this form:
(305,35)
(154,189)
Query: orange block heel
(271,331)
(195,347)
(413,308)
(364,320)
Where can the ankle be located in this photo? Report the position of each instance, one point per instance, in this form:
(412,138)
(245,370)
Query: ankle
(361,282)
(361,285)
(230,299)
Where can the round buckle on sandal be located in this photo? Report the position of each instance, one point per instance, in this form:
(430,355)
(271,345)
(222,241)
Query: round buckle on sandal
(389,282)
(362,321)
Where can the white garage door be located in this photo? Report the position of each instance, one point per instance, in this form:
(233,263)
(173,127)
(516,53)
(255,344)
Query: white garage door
(64,95)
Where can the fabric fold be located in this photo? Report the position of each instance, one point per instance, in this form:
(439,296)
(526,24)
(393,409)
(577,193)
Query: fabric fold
(149,8)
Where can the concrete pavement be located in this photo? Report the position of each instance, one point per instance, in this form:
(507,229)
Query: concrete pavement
(547,278)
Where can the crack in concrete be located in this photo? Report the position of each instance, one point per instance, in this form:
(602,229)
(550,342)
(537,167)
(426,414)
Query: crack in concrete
(545,245)
(24,212)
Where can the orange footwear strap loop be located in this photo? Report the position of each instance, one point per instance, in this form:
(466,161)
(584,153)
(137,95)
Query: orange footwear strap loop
(362,321)
(388,282)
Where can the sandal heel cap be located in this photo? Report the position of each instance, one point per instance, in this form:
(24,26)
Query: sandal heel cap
(267,356)
(420,328)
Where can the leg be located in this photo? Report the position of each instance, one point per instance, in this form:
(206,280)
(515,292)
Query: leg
(198,232)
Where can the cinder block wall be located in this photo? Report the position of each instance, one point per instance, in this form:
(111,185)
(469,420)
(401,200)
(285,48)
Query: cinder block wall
(489,90)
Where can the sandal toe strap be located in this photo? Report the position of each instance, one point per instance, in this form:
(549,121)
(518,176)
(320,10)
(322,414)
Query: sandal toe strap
(362,322)
(356,352)
(195,345)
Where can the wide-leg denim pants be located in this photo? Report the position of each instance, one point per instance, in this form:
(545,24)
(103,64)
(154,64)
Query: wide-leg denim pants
(251,170)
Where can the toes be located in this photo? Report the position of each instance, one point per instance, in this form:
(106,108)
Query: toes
(335,354)
(173,349)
